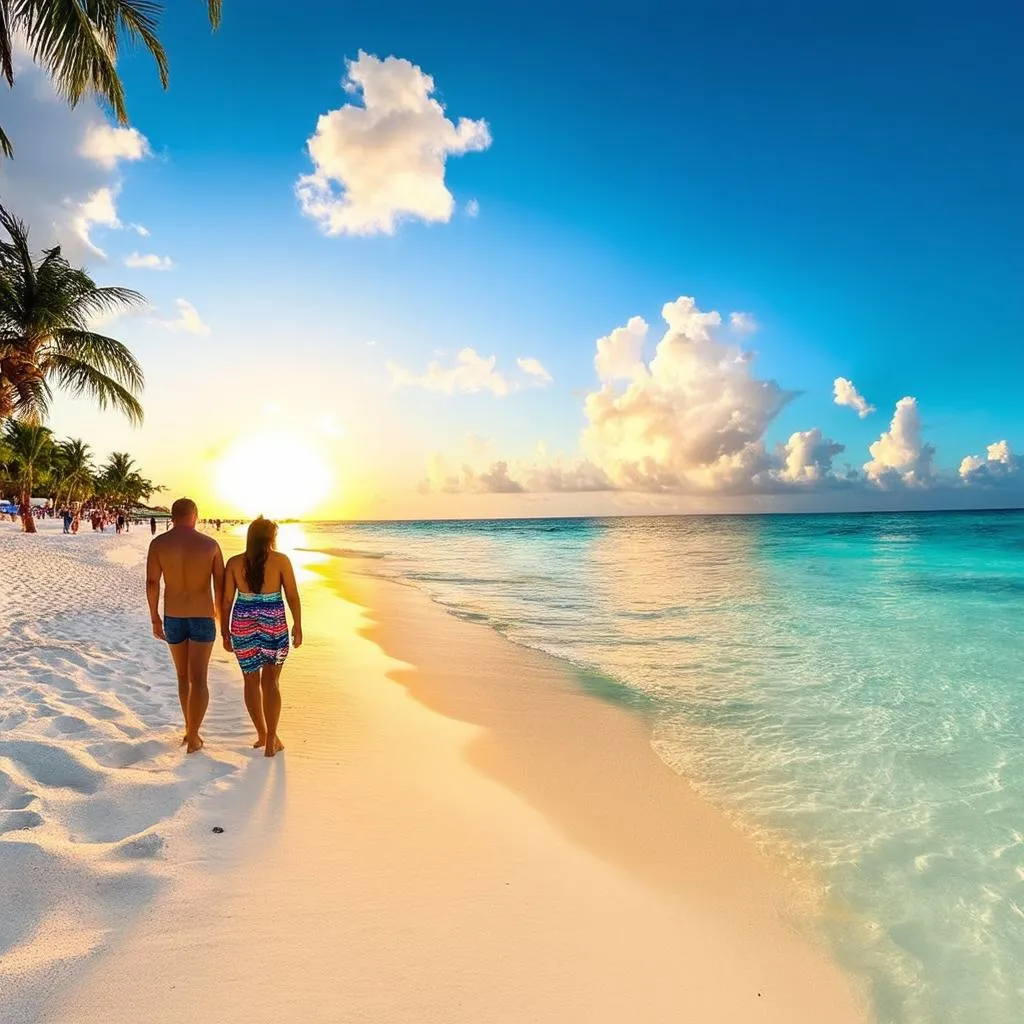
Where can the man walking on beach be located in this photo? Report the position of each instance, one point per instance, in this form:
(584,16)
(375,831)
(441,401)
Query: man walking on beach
(192,568)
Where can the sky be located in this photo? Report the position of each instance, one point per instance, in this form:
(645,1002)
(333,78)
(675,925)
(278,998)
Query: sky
(464,261)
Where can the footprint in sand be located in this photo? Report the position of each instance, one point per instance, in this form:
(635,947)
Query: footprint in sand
(104,711)
(15,821)
(50,765)
(144,847)
(70,724)
(121,754)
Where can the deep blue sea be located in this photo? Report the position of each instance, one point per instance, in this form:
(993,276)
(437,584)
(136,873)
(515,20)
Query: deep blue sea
(849,688)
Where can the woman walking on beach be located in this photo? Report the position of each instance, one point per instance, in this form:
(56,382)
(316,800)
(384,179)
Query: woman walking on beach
(255,626)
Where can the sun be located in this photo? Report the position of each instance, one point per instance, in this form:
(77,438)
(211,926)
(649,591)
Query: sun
(276,475)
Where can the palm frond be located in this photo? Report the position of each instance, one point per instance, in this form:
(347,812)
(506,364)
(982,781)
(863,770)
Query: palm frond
(79,52)
(81,377)
(214,7)
(107,355)
(6,52)
(26,396)
(138,19)
(94,301)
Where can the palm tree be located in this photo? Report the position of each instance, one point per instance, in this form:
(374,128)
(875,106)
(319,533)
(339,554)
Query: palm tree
(46,306)
(28,449)
(121,483)
(72,471)
(77,42)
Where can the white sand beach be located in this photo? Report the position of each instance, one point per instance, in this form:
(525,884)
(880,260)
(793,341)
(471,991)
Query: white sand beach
(459,835)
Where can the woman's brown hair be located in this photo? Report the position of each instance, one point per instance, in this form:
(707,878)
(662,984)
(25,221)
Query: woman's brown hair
(259,542)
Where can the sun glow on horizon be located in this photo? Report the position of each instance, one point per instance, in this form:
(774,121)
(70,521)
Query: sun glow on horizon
(276,475)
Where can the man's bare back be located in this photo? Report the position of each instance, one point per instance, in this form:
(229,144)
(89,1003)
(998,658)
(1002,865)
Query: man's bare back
(188,562)
(192,569)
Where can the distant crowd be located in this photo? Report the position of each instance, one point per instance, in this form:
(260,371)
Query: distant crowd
(100,519)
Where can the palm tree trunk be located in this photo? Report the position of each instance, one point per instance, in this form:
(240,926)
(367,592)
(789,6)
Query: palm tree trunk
(28,521)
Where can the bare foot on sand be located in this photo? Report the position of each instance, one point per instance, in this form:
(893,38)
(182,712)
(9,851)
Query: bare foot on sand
(194,744)
(273,747)
(261,742)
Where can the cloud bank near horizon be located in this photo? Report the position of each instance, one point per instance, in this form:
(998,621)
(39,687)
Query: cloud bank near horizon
(692,420)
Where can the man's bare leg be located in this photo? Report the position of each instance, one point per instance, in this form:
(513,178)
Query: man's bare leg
(269,683)
(254,705)
(199,692)
(180,657)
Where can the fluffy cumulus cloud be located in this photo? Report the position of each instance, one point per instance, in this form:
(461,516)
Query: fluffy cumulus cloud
(844,393)
(806,458)
(693,418)
(1000,466)
(383,159)
(900,457)
(535,370)
(66,176)
(188,319)
(503,477)
(106,144)
(471,372)
(148,261)
(742,323)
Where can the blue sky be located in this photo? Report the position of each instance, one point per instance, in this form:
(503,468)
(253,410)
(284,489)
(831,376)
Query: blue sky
(850,178)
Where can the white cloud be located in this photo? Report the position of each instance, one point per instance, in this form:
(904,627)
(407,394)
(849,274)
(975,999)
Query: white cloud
(807,458)
(149,261)
(64,180)
(106,144)
(534,369)
(470,373)
(742,323)
(692,419)
(377,163)
(846,394)
(473,208)
(999,466)
(620,354)
(899,456)
(98,208)
(188,319)
(502,477)
(140,229)
(463,479)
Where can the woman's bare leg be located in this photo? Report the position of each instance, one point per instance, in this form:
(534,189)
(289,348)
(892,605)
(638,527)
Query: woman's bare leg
(254,705)
(269,683)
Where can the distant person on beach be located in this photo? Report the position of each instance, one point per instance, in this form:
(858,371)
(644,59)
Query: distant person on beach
(192,568)
(152,525)
(254,625)
(67,521)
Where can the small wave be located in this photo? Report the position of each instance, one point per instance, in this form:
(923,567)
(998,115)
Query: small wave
(346,553)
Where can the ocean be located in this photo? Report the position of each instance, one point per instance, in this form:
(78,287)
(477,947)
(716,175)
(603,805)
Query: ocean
(848,688)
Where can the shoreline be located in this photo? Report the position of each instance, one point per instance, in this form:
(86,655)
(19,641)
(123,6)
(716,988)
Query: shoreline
(645,819)
(437,846)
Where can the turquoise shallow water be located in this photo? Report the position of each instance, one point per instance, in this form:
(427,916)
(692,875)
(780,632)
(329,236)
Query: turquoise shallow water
(850,686)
